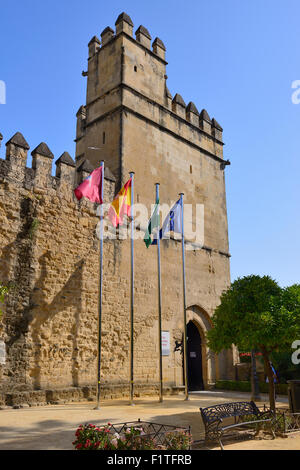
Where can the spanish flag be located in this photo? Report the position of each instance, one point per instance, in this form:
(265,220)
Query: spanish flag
(121,205)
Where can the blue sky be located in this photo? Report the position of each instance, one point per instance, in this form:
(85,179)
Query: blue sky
(236,58)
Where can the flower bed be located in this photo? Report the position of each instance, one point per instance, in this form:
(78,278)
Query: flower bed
(136,435)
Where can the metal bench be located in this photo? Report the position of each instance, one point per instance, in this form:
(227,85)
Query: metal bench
(213,419)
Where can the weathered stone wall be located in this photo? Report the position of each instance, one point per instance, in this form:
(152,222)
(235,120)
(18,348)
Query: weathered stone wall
(50,259)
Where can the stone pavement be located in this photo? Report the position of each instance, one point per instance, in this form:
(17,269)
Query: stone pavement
(53,427)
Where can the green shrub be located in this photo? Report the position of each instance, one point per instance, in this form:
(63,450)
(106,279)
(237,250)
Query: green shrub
(33,228)
(178,440)
(245,386)
(240,386)
(282,423)
(3,292)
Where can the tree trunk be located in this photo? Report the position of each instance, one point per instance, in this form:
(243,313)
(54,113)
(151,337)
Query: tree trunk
(270,376)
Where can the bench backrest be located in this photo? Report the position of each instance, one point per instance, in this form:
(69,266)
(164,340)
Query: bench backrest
(228,410)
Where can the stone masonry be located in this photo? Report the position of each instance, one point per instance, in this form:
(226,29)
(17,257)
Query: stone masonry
(50,249)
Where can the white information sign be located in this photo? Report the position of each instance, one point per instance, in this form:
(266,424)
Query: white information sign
(2,352)
(165,343)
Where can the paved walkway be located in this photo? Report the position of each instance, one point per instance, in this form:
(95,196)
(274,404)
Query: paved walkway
(53,427)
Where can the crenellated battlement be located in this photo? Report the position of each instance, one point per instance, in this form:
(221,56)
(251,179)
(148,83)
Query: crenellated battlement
(14,168)
(191,114)
(126,67)
(125,25)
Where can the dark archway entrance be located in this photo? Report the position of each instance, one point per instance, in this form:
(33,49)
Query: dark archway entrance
(194,358)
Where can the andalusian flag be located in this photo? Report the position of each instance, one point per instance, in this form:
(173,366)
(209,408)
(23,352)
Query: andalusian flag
(121,205)
(154,222)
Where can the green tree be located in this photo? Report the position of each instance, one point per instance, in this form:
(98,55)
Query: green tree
(255,313)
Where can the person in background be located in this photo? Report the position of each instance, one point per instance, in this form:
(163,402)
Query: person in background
(274,378)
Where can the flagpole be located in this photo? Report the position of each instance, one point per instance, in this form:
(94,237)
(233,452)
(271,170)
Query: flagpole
(100,291)
(184,303)
(159,306)
(132,291)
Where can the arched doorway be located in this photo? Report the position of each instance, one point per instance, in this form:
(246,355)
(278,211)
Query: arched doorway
(194,358)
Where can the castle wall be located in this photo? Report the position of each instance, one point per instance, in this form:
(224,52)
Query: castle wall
(178,167)
(104,136)
(50,250)
(144,71)
(104,69)
(50,260)
(51,257)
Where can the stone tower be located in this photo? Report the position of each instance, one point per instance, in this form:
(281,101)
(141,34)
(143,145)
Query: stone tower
(132,122)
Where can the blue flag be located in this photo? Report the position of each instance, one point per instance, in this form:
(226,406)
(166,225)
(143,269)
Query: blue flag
(172,222)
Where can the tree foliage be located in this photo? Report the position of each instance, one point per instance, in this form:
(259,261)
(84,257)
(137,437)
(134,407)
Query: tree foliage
(256,313)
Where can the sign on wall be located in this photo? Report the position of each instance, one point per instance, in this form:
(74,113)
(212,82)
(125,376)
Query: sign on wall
(2,352)
(165,343)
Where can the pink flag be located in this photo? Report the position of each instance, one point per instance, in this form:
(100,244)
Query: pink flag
(91,187)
